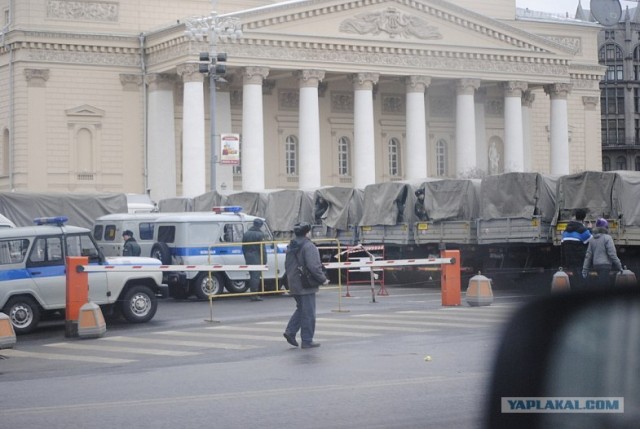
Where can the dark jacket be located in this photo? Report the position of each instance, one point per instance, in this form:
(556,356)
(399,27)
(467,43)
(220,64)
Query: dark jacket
(601,253)
(302,251)
(131,248)
(575,239)
(252,251)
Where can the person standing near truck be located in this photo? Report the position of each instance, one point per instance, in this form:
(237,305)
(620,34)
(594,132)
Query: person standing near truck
(131,246)
(575,239)
(254,254)
(601,255)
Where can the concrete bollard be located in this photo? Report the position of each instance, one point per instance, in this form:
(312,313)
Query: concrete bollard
(7,333)
(91,322)
(561,282)
(479,291)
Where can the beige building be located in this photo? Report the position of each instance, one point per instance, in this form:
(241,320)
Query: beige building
(105,96)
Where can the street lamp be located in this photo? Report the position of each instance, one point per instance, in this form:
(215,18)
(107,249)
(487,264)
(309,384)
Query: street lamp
(213,27)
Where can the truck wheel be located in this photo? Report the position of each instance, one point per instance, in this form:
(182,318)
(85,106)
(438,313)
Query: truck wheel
(24,313)
(237,286)
(203,286)
(161,252)
(139,304)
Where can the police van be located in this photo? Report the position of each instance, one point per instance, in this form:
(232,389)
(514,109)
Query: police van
(194,238)
(33,275)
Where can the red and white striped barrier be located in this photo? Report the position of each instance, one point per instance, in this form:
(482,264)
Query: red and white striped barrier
(147,268)
(389,263)
(220,267)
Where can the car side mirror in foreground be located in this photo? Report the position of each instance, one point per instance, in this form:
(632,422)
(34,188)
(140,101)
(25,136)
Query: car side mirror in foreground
(570,360)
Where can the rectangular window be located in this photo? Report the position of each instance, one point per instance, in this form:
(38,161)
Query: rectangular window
(167,234)
(145,230)
(13,251)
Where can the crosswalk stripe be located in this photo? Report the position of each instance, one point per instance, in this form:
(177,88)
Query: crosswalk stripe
(280,330)
(444,317)
(221,335)
(57,356)
(105,348)
(341,324)
(382,320)
(207,345)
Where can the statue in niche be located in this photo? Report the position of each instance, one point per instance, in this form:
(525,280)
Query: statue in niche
(494,158)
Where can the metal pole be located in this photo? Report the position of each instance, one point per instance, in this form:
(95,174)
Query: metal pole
(212,107)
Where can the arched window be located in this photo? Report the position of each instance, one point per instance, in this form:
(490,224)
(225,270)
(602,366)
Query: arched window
(394,157)
(611,56)
(621,163)
(441,157)
(606,163)
(344,155)
(84,140)
(291,155)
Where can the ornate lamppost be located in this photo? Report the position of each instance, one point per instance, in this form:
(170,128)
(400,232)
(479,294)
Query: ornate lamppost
(214,28)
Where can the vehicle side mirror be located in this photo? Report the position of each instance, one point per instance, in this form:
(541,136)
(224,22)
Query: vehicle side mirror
(569,360)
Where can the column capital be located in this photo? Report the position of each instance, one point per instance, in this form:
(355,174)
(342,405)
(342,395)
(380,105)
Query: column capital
(160,81)
(254,75)
(528,97)
(417,83)
(590,103)
(364,80)
(189,72)
(467,86)
(36,77)
(558,90)
(131,82)
(514,88)
(309,78)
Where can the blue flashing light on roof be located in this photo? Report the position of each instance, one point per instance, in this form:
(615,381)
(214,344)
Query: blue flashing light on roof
(54,220)
(227,209)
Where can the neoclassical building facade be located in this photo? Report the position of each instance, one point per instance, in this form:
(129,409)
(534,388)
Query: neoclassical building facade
(106,96)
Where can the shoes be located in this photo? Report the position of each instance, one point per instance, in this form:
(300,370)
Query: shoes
(256,298)
(310,345)
(290,339)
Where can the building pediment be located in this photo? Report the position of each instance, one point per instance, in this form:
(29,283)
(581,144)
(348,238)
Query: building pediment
(85,110)
(420,35)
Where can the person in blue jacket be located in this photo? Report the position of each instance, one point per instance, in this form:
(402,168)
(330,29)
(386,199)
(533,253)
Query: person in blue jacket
(575,239)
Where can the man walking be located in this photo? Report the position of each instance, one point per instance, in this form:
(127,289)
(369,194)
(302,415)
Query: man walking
(254,254)
(303,253)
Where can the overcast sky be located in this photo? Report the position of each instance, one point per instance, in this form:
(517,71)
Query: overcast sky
(562,6)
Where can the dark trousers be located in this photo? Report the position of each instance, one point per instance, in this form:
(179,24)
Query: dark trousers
(304,318)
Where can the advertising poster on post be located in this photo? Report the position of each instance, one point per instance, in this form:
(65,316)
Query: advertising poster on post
(230,148)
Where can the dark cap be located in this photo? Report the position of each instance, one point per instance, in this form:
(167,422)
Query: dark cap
(419,192)
(127,232)
(258,223)
(301,229)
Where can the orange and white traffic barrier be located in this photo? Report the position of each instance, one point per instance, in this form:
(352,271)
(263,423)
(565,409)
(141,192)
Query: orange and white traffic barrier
(147,268)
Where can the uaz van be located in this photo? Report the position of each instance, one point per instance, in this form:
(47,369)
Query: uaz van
(193,238)
(33,275)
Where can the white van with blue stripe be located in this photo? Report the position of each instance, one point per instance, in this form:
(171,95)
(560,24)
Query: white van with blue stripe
(195,238)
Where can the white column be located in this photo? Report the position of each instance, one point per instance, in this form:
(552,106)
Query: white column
(466,159)
(513,128)
(559,127)
(161,137)
(224,172)
(364,156)
(416,155)
(309,165)
(528,98)
(252,145)
(193,131)
(592,137)
(482,150)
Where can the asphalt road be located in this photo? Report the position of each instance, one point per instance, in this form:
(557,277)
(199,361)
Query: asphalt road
(404,361)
